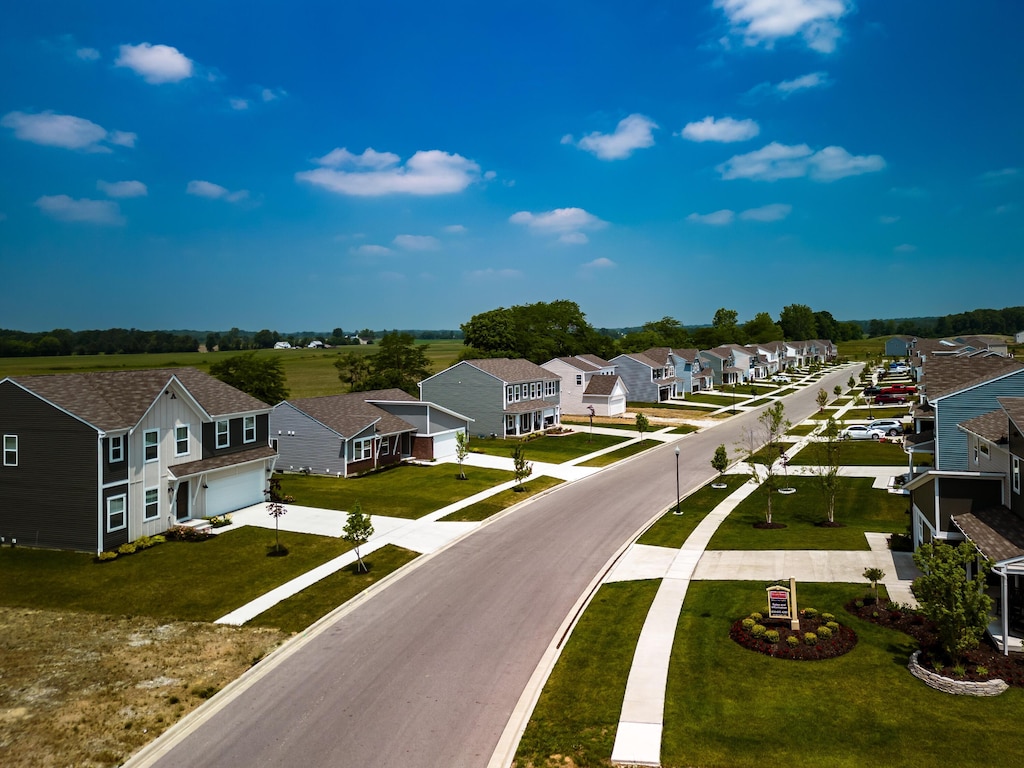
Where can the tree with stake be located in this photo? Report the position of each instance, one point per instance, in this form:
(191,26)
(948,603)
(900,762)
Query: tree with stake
(276,509)
(874,575)
(461,451)
(642,425)
(827,471)
(720,461)
(521,468)
(357,531)
(774,423)
(822,399)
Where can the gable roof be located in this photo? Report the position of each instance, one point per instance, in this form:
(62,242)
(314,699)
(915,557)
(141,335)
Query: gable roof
(997,532)
(575,362)
(658,353)
(114,400)
(1014,407)
(992,426)
(947,375)
(602,385)
(350,414)
(512,371)
(641,358)
(595,360)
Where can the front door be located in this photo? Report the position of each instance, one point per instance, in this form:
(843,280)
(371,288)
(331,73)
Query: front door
(182,504)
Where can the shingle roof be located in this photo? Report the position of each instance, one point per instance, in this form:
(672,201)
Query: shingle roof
(181,471)
(946,375)
(595,360)
(640,357)
(992,426)
(687,354)
(113,400)
(658,353)
(580,364)
(1014,407)
(350,414)
(997,532)
(601,385)
(512,371)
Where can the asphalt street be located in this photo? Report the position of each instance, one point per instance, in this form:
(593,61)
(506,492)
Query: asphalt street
(428,671)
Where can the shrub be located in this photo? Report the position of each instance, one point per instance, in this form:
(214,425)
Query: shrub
(758,630)
(219,521)
(959,670)
(810,638)
(757,616)
(792,641)
(187,533)
(982,670)
(825,633)
(104,557)
(810,613)
(859,603)
(833,625)
(748,624)
(127,549)
(827,617)
(772,636)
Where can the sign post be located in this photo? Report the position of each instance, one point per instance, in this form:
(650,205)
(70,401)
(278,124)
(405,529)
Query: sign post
(794,617)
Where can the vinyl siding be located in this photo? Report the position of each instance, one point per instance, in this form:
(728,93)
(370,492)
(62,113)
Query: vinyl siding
(952,451)
(471,392)
(1016,500)
(311,445)
(637,378)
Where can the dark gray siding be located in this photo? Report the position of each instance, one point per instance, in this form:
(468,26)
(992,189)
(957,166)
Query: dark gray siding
(311,445)
(118,470)
(637,378)
(113,540)
(952,451)
(51,498)
(471,392)
(235,429)
(1016,502)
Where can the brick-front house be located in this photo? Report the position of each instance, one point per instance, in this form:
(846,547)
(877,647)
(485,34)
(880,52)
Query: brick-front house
(95,460)
(503,397)
(350,434)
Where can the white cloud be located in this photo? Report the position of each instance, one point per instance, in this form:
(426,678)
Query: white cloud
(999,210)
(494,274)
(428,172)
(888,219)
(455,229)
(87,54)
(772,212)
(780,161)
(574,238)
(122,188)
(371,250)
(802,83)
(715,219)
(64,208)
(725,130)
(490,175)
(601,263)
(273,94)
(632,132)
(213,191)
(156,63)
(905,248)
(1000,176)
(67,131)
(239,105)
(417,242)
(765,21)
(558,221)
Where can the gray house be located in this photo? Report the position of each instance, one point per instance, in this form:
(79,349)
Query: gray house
(358,432)
(647,380)
(503,397)
(95,460)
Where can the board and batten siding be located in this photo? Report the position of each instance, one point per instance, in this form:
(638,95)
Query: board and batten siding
(466,389)
(302,441)
(951,444)
(51,499)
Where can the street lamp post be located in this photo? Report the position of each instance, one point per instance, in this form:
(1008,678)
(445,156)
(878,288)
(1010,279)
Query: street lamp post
(678,511)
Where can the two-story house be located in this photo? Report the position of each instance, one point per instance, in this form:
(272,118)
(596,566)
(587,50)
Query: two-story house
(721,362)
(648,380)
(587,384)
(94,460)
(503,397)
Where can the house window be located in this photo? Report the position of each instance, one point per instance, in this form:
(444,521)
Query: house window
(533,391)
(249,429)
(151,445)
(223,439)
(116,449)
(656,373)
(181,440)
(549,388)
(362,449)
(116,518)
(1016,475)
(10,450)
(508,394)
(385,446)
(152,504)
(984,449)
(579,379)
(517,392)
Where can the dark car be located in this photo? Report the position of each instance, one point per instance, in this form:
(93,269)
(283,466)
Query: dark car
(899,389)
(888,399)
(871,391)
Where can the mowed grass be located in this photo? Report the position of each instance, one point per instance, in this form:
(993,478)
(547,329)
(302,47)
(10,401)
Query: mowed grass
(672,530)
(856,453)
(727,706)
(197,581)
(578,712)
(619,454)
(301,610)
(409,491)
(630,425)
(859,508)
(500,501)
(550,449)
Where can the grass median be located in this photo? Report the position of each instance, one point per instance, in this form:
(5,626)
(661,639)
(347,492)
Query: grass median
(499,501)
(551,449)
(622,453)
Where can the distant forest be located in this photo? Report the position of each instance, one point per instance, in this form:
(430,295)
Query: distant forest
(62,341)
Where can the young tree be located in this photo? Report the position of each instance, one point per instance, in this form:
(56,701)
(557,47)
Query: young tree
(261,377)
(956,603)
(521,468)
(773,424)
(400,364)
(720,461)
(357,531)
(837,390)
(461,451)
(827,470)
(276,509)
(642,424)
(822,398)
(874,575)
(851,383)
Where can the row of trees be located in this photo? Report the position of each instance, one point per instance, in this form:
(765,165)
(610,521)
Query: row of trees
(398,364)
(62,341)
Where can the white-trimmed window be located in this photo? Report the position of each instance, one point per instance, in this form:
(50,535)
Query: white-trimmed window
(151,445)
(1016,475)
(508,393)
(115,447)
(983,447)
(533,391)
(181,440)
(385,446)
(223,435)
(579,379)
(518,390)
(977,444)
(362,449)
(116,516)
(152,509)
(549,387)
(10,450)
(248,429)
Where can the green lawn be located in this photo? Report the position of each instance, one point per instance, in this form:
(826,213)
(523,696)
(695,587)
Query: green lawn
(727,706)
(859,508)
(198,581)
(764,455)
(550,449)
(701,397)
(578,711)
(671,530)
(618,455)
(499,501)
(858,453)
(299,611)
(801,430)
(630,424)
(682,429)
(410,491)
(877,412)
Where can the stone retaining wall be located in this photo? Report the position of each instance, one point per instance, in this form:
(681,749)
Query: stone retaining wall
(958,687)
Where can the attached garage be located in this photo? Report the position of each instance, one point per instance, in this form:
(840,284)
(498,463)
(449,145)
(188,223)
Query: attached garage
(227,492)
(445,444)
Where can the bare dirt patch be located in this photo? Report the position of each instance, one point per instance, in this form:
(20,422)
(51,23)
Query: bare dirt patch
(89,690)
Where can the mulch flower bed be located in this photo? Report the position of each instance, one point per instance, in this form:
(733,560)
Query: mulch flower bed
(1010,669)
(842,641)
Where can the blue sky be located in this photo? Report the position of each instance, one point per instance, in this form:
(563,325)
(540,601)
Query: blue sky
(407,164)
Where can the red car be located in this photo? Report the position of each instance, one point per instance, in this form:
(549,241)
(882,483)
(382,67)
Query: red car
(899,389)
(883,399)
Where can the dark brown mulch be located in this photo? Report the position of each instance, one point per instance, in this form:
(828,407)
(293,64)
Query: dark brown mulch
(827,524)
(841,642)
(1007,668)
(769,526)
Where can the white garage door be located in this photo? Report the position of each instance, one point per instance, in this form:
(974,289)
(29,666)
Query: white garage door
(444,445)
(226,494)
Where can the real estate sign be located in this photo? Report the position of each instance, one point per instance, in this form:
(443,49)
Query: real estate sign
(778,602)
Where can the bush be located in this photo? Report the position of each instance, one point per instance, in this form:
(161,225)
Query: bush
(827,617)
(758,630)
(772,636)
(748,624)
(104,557)
(187,533)
(825,633)
(756,616)
(810,638)
(792,641)
(810,613)
(833,625)
(127,549)
(219,521)
(982,670)
(859,603)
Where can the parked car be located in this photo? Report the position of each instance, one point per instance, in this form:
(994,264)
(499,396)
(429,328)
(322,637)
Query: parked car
(781,378)
(861,432)
(891,427)
(871,391)
(899,389)
(890,399)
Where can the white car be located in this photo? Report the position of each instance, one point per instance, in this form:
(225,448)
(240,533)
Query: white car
(861,432)
(891,427)
(780,378)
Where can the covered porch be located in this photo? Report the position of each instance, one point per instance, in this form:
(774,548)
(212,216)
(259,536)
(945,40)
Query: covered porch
(526,417)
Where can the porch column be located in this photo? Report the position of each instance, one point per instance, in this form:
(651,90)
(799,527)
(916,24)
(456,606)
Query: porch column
(1004,599)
